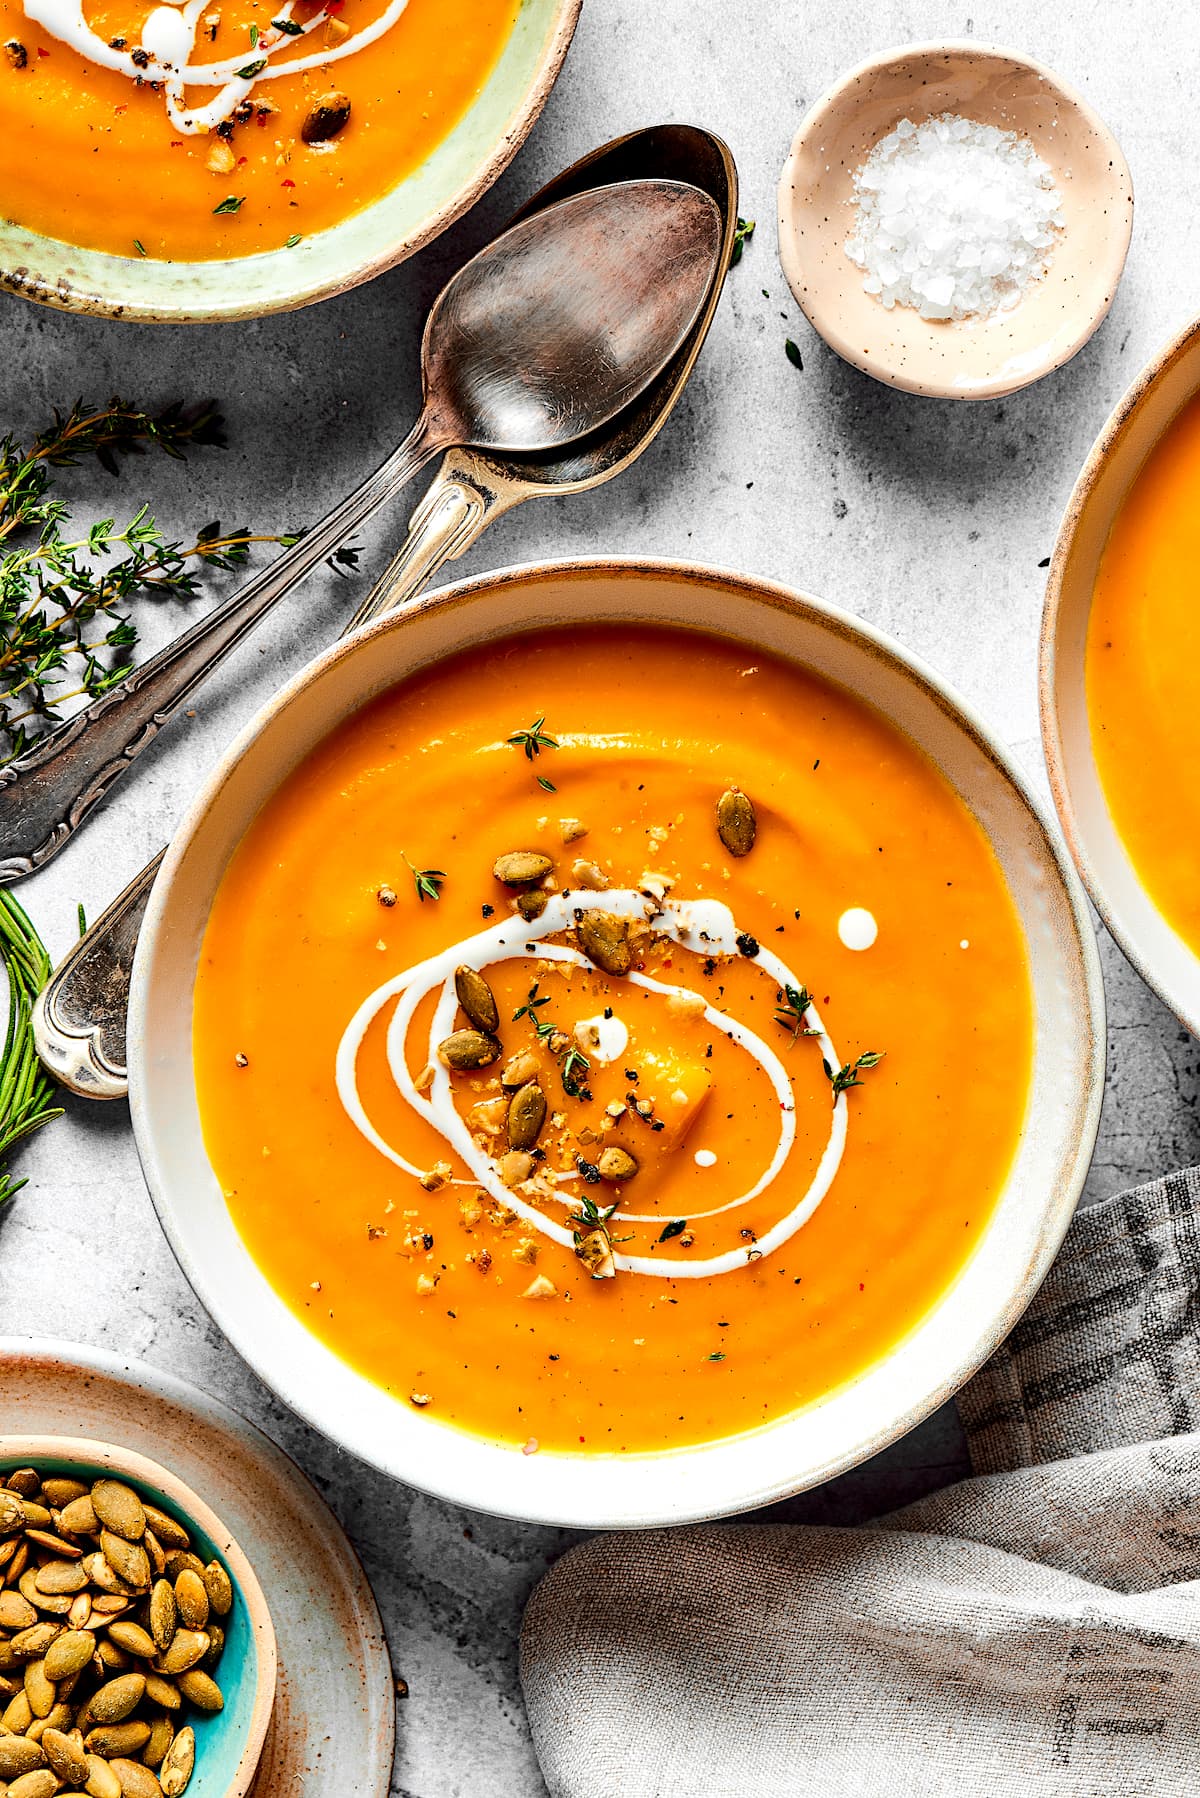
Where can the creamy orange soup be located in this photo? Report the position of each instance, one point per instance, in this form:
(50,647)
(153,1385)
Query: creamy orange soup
(108,146)
(1143,673)
(775,1086)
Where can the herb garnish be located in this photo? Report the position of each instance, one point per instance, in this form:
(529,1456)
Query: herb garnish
(533,741)
(574,1066)
(64,632)
(288,27)
(676,1227)
(792,352)
(139,246)
(292,241)
(741,237)
(790,1010)
(25,1088)
(718,1356)
(847,1075)
(251,69)
(427,881)
(254,37)
(231,203)
(590,1228)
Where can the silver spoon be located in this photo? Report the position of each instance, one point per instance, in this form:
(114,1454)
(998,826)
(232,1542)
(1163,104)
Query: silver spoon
(542,338)
(80,1018)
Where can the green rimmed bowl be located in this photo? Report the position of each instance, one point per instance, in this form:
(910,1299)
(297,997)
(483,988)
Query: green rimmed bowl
(229,1743)
(466,162)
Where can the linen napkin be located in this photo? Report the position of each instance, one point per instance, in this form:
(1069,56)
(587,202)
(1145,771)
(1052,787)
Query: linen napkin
(1034,1630)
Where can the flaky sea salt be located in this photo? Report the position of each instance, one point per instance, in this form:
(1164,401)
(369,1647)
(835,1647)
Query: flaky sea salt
(953,218)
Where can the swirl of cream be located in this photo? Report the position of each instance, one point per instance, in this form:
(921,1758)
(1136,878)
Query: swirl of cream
(704,926)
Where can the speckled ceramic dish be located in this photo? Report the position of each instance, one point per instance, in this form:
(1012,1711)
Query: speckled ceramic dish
(972,358)
(1016,1246)
(1155,949)
(332,1732)
(463,166)
(230,1743)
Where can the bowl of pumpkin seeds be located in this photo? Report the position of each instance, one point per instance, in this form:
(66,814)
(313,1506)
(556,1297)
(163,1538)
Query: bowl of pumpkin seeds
(137,1657)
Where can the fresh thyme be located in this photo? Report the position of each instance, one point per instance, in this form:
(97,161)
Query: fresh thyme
(426,881)
(591,1230)
(65,633)
(533,741)
(847,1075)
(231,203)
(25,1088)
(792,352)
(790,1010)
(574,1066)
(741,237)
(288,27)
(676,1227)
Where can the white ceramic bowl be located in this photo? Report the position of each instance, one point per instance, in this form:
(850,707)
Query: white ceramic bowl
(1160,955)
(976,358)
(457,171)
(1014,1252)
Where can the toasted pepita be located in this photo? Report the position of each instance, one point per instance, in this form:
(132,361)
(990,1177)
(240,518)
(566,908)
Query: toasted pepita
(466,1049)
(477,999)
(60,1492)
(19,1755)
(41,1783)
(604,939)
(164,1613)
(179,1558)
(176,1770)
(522,867)
(188,1649)
(133,1639)
(79,1517)
(16,1612)
(12,1513)
(24,1481)
(32,1643)
(170,1533)
(112,1739)
(526,1116)
(191,1596)
(162,1734)
(102,1782)
(532,903)
(160,1691)
(737,825)
(201,1689)
(66,1756)
(118,1699)
(128,1560)
(69,1653)
(58,1577)
(119,1509)
(39,1690)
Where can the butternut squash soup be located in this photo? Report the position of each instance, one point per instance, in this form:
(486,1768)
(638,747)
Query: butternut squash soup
(198,129)
(1143,673)
(612,1040)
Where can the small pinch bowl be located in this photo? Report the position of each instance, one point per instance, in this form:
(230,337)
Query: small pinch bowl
(423,204)
(717,1478)
(229,1743)
(1163,959)
(968,359)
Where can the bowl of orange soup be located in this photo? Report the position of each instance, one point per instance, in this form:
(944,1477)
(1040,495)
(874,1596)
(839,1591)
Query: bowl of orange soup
(211,159)
(615,1044)
(1120,674)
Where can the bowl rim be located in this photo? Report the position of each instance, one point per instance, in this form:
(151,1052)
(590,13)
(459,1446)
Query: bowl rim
(62,296)
(20,1447)
(827,324)
(1054,750)
(1061,1203)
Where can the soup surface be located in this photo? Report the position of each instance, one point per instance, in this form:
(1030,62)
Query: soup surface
(785,1211)
(181,130)
(1143,673)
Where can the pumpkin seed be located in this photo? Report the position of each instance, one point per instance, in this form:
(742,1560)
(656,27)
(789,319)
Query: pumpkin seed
(18,1714)
(19,1755)
(66,1756)
(156,1552)
(57,1577)
(532,903)
(604,939)
(216,1642)
(69,1653)
(39,1690)
(79,1517)
(53,1603)
(16,1612)
(477,999)
(737,825)
(133,1639)
(113,1739)
(164,1613)
(188,1649)
(179,1558)
(201,1689)
(128,1560)
(57,1717)
(118,1699)
(102,1782)
(170,1533)
(160,1691)
(41,1783)
(192,1599)
(325,118)
(616,1164)
(522,867)
(176,1770)
(12,1513)
(219,1587)
(162,1734)
(102,1574)
(59,1492)
(37,1517)
(119,1509)
(526,1116)
(32,1644)
(24,1481)
(466,1049)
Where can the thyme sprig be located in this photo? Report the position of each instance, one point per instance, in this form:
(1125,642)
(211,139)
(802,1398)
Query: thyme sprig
(65,632)
(573,1064)
(427,881)
(533,741)
(790,1010)
(847,1075)
(25,1088)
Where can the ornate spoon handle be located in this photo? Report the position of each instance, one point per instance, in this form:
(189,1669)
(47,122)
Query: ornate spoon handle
(79,1019)
(46,794)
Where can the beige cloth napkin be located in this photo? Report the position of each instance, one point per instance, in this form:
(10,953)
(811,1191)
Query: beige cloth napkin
(1033,1631)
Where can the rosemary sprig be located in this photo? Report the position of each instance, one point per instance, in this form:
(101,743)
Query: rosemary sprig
(847,1074)
(25,1088)
(65,633)
(427,881)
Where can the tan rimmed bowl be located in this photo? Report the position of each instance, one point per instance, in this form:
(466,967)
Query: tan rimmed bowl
(968,359)
(229,1744)
(629,1490)
(462,167)
(1161,956)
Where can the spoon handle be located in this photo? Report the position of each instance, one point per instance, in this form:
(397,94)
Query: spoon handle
(80,1017)
(46,794)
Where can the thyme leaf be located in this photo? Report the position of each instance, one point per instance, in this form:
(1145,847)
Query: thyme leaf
(426,881)
(790,1010)
(231,203)
(847,1075)
(676,1227)
(533,740)
(741,237)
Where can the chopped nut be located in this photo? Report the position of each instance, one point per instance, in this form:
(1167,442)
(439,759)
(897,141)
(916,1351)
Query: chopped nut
(571,829)
(526,1250)
(515,1167)
(420,1399)
(488,1116)
(686,1005)
(469,1210)
(520,1069)
(210,24)
(655,884)
(336,32)
(374,1232)
(220,159)
(540,1288)
(438,1176)
(596,1252)
(616,1109)
(588,875)
(424,1079)
(15,53)
(426,1285)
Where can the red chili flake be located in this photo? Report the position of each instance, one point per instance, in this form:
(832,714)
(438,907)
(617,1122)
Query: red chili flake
(531,1447)
(242,161)
(335,6)
(42,52)
(287,184)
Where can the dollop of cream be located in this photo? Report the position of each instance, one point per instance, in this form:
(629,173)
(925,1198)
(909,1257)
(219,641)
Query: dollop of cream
(603,1038)
(857,928)
(706,926)
(705,1158)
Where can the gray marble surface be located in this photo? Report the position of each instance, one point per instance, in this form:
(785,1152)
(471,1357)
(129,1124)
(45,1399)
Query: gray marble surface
(930,519)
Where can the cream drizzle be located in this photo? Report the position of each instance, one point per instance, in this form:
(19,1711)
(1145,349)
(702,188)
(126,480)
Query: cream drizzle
(171,46)
(704,926)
